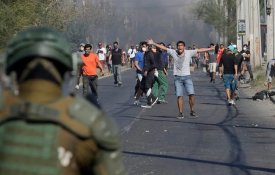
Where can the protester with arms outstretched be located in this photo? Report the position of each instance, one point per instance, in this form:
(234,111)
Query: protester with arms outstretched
(182,77)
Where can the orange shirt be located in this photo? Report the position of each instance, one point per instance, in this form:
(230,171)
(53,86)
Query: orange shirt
(90,64)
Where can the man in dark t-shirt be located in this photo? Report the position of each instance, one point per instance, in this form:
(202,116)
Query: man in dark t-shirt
(116,58)
(229,73)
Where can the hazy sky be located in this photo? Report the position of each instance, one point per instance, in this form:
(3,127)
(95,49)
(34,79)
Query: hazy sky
(168,20)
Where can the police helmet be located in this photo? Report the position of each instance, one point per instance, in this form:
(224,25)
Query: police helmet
(38,42)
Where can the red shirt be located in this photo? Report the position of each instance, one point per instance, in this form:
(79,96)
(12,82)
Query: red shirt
(90,64)
(219,55)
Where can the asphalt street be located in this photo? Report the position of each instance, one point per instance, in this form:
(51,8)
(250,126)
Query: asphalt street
(224,140)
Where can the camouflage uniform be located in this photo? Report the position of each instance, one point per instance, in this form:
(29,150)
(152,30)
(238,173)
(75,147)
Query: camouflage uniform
(43,132)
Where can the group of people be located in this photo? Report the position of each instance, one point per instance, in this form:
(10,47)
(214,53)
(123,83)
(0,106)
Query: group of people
(230,64)
(151,64)
(151,74)
(75,136)
(232,67)
(212,60)
(89,61)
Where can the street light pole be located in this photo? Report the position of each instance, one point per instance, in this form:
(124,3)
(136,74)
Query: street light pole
(240,16)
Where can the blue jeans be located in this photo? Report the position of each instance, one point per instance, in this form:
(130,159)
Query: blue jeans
(229,82)
(117,74)
(184,82)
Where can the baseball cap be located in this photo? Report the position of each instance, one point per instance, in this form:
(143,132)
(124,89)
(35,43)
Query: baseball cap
(231,48)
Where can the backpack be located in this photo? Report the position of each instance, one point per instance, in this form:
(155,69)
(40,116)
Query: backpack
(262,95)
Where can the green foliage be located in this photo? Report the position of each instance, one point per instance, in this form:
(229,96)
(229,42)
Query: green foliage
(16,15)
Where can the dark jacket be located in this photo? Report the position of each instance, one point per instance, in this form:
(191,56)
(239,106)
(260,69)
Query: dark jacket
(149,61)
(159,63)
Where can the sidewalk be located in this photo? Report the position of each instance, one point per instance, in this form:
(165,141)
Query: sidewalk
(258,84)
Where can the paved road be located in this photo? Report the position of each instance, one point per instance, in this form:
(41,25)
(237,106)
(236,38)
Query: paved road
(224,140)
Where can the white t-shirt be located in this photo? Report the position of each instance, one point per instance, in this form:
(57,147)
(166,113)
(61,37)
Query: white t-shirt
(132,53)
(101,54)
(182,62)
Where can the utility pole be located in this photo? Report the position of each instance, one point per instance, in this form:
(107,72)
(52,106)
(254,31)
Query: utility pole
(255,34)
(224,6)
(270,20)
(249,11)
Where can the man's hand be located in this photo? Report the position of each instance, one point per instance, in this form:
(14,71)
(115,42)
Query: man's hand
(235,76)
(150,42)
(145,74)
(102,73)
(213,47)
(220,75)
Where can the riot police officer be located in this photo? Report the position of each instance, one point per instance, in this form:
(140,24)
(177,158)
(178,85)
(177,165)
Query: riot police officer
(43,132)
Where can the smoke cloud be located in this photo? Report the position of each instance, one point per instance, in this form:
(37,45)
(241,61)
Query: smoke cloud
(162,20)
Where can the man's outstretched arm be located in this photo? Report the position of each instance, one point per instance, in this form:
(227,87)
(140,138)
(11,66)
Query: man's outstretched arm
(151,42)
(205,49)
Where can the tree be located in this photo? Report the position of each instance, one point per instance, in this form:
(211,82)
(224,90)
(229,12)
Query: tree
(221,14)
(18,14)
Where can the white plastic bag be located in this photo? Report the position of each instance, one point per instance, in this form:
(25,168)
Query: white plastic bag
(156,73)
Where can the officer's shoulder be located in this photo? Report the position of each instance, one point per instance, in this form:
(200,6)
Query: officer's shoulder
(84,107)
(102,127)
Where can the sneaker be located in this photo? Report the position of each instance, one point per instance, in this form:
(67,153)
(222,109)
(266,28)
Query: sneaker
(180,116)
(146,106)
(137,102)
(193,114)
(162,102)
(154,100)
(231,102)
(119,84)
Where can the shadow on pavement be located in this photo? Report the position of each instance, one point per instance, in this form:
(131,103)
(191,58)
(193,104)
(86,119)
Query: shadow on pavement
(242,167)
